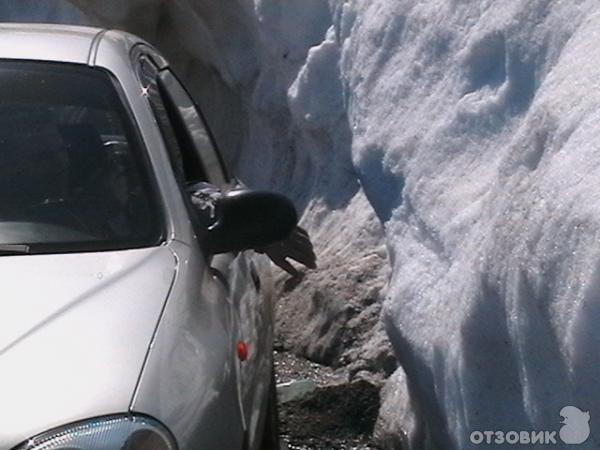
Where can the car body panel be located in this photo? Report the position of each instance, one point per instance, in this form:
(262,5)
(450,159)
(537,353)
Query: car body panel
(252,299)
(190,379)
(68,349)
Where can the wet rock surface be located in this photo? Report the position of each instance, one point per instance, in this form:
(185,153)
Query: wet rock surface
(320,408)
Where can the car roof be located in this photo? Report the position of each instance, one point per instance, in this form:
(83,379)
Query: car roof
(53,42)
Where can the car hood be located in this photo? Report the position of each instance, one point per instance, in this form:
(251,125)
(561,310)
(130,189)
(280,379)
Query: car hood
(74,333)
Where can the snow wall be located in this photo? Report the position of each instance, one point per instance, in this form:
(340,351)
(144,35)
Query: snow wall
(467,131)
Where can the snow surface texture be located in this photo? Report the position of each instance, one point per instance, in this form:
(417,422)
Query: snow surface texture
(472,127)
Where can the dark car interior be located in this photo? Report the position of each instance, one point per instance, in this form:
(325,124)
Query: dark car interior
(71,167)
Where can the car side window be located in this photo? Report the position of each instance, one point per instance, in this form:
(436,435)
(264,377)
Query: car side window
(148,74)
(187,171)
(196,143)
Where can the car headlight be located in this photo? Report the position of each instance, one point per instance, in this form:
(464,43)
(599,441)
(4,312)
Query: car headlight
(105,433)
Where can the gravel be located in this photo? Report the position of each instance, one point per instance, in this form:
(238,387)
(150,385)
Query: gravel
(339,414)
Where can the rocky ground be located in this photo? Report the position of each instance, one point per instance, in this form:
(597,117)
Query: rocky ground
(321,409)
(332,356)
(330,341)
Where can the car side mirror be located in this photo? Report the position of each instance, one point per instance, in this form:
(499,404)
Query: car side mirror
(247,219)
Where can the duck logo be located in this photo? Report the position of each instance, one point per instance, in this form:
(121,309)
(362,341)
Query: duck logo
(576,427)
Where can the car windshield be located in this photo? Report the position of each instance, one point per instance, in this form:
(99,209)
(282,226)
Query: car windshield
(73,173)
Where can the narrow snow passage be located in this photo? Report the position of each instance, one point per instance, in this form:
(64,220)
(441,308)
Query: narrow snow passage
(470,131)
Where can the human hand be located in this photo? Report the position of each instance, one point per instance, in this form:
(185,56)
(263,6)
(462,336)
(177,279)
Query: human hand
(297,246)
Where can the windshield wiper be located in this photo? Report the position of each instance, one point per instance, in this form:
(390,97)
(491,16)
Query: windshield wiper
(14,249)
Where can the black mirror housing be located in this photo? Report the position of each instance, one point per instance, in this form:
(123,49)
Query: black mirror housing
(247,219)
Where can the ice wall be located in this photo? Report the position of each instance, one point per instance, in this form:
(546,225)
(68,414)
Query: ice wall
(471,127)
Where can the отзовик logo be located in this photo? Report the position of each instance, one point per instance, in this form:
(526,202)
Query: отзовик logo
(575,430)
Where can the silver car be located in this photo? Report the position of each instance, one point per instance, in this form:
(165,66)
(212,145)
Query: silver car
(129,318)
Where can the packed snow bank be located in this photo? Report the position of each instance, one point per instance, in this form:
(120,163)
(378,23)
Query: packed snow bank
(472,129)
(486,115)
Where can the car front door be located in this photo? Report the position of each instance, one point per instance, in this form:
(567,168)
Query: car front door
(190,377)
(249,293)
